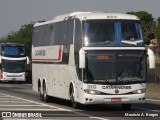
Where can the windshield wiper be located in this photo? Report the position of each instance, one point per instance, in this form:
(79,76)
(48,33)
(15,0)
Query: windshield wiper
(99,81)
(132,42)
(105,81)
(102,43)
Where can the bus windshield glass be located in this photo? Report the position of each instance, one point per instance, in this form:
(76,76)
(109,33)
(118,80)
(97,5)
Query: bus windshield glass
(13,66)
(131,33)
(112,33)
(13,51)
(115,66)
(99,33)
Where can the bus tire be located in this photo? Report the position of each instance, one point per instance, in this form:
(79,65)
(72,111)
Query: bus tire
(40,93)
(75,105)
(126,106)
(45,96)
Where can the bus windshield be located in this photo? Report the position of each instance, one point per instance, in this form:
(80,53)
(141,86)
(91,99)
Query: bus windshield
(112,33)
(131,33)
(115,67)
(13,66)
(99,33)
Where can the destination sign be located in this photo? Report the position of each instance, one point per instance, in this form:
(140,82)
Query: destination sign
(11,51)
(14,51)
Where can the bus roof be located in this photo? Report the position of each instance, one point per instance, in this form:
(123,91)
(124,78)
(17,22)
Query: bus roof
(11,44)
(89,16)
(98,15)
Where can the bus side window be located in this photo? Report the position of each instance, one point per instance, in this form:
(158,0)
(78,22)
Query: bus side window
(70,26)
(35,36)
(57,34)
(60,33)
(41,36)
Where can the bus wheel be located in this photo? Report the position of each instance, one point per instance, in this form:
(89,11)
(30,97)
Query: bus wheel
(126,106)
(40,93)
(75,105)
(45,96)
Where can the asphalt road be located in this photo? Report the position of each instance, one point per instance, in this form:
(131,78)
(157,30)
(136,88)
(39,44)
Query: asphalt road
(19,101)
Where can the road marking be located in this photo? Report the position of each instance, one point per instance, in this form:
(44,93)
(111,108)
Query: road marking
(99,118)
(20,109)
(36,102)
(19,105)
(30,101)
(51,108)
(7,101)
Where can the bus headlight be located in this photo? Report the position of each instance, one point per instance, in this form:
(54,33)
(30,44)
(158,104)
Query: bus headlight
(93,92)
(139,91)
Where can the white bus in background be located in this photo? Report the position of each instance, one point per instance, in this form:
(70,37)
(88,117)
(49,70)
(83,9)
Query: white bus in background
(90,58)
(13,62)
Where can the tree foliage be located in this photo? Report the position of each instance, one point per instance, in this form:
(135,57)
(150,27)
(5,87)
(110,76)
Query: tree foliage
(157,32)
(23,36)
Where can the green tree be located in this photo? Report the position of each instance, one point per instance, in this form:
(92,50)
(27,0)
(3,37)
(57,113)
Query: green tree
(23,36)
(157,33)
(147,22)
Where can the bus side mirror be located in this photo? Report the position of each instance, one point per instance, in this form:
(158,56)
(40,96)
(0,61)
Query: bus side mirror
(28,61)
(151,58)
(82,59)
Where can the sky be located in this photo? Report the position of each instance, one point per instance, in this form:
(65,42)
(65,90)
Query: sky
(16,13)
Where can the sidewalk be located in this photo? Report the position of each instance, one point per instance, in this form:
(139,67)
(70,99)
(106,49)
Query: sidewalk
(153,91)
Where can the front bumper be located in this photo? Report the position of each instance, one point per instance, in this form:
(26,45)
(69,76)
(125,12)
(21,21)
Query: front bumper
(113,99)
(13,77)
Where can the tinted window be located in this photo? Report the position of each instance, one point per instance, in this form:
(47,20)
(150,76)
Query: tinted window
(98,33)
(43,35)
(13,66)
(54,34)
(130,31)
(60,33)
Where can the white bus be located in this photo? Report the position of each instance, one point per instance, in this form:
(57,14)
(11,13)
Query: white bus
(90,58)
(13,62)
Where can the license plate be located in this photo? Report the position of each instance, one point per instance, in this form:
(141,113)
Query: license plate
(115,99)
(13,78)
